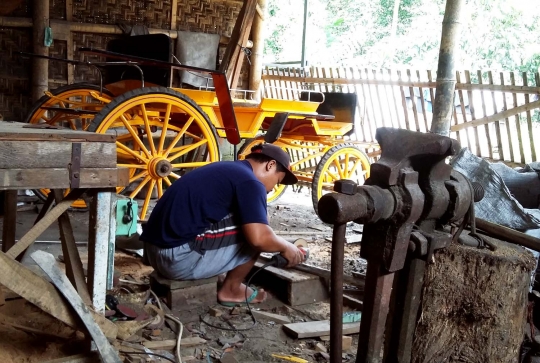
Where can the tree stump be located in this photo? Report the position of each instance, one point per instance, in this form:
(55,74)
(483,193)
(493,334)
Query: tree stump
(474,305)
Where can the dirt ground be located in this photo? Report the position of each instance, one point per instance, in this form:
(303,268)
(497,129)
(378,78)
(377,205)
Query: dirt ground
(28,335)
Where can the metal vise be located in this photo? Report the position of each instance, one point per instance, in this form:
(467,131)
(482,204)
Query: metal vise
(410,195)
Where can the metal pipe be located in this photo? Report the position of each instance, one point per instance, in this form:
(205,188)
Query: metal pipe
(446,78)
(336,297)
(304,31)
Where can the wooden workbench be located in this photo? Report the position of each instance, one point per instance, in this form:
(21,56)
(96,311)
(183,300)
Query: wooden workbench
(36,157)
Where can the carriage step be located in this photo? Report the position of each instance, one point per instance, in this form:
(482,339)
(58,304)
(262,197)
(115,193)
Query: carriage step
(70,110)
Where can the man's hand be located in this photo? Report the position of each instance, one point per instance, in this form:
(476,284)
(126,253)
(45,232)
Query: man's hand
(293,255)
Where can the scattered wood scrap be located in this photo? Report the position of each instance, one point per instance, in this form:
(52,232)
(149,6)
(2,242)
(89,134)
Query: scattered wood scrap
(35,289)
(313,329)
(171,343)
(280,319)
(48,264)
(346,341)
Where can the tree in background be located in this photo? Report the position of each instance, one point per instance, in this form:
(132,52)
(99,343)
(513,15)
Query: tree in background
(497,34)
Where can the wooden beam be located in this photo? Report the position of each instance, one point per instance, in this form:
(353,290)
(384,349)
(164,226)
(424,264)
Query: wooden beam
(61,28)
(174,11)
(47,263)
(498,116)
(40,67)
(56,178)
(255,71)
(313,329)
(72,259)
(10,220)
(43,224)
(44,295)
(364,81)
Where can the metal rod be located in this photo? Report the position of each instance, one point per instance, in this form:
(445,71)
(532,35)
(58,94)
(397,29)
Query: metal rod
(336,297)
(376,304)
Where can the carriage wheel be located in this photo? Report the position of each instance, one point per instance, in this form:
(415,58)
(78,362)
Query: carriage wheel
(50,110)
(78,96)
(343,161)
(181,137)
(278,190)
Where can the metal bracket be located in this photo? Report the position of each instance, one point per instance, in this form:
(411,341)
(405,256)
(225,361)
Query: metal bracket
(75,165)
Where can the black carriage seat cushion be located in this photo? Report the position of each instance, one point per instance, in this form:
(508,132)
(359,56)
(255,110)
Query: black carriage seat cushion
(152,46)
(340,105)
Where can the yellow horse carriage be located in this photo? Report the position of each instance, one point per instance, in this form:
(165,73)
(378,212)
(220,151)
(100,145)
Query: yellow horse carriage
(164,132)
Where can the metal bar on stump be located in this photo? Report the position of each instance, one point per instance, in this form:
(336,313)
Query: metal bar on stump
(336,298)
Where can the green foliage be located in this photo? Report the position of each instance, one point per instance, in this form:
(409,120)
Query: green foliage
(496,34)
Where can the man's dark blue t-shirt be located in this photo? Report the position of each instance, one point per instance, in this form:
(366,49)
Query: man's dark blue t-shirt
(205,196)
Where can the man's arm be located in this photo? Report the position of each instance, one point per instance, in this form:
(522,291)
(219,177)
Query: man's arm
(263,238)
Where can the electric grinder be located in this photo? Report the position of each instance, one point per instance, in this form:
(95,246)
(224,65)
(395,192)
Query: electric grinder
(279,261)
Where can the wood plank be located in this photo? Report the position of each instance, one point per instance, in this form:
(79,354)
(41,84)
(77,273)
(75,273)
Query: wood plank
(379,101)
(498,116)
(16,131)
(72,259)
(374,113)
(170,344)
(404,104)
(486,126)
(470,97)
(280,319)
(518,123)
(44,295)
(507,122)
(54,154)
(54,178)
(422,102)
(313,329)
(402,83)
(413,101)
(10,220)
(79,358)
(48,264)
(497,123)
(529,120)
(293,287)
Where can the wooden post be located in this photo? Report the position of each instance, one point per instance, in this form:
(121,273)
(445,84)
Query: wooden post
(446,82)
(10,219)
(40,67)
(257,36)
(101,246)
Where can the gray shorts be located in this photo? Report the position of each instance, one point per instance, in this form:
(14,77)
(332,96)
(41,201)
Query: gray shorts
(219,249)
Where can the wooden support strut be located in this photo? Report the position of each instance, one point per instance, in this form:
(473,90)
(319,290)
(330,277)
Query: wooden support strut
(44,223)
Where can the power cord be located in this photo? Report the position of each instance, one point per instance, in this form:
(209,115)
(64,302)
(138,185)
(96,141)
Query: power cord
(273,262)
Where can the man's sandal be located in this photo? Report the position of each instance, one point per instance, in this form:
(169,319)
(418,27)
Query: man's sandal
(241,303)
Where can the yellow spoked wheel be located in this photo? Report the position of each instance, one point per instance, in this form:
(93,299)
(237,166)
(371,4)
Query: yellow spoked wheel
(343,161)
(278,190)
(161,135)
(73,106)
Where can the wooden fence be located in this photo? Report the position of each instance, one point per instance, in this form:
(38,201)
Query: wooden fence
(496,115)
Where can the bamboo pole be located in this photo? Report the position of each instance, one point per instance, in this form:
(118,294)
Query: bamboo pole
(497,123)
(529,120)
(257,36)
(60,28)
(518,122)
(423,102)
(470,97)
(365,114)
(413,102)
(507,122)
(392,91)
(378,99)
(446,82)
(40,67)
(463,111)
(486,126)
(404,104)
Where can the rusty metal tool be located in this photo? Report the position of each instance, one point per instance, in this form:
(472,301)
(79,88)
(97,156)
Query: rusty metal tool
(411,192)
